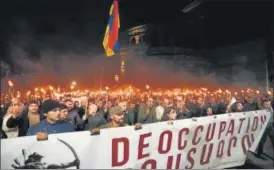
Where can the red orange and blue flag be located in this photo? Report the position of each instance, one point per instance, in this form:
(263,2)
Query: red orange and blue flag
(110,42)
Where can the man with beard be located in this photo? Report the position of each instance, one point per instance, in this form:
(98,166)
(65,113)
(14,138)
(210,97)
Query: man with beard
(24,120)
(116,118)
(129,114)
(73,116)
(147,113)
(83,107)
(181,109)
(199,107)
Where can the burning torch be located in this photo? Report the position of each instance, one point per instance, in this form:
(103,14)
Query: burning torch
(107,93)
(11,90)
(148,91)
(28,94)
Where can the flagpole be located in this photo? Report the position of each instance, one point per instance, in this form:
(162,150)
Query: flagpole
(266,75)
(101,83)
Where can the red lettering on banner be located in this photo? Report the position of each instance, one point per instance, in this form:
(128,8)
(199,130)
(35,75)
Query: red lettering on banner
(232,142)
(115,153)
(220,150)
(190,159)
(246,139)
(209,153)
(167,133)
(143,145)
(194,141)
(255,123)
(178,161)
(252,137)
(248,125)
(241,123)
(180,138)
(230,128)
(222,128)
(212,130)
(263,119)
(170,162)
(150,162)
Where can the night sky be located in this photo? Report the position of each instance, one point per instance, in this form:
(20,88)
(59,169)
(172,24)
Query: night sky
(212,24)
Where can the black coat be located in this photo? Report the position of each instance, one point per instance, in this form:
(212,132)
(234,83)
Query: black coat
(22,121)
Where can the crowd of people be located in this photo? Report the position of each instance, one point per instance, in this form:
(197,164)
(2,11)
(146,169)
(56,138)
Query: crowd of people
(50,115)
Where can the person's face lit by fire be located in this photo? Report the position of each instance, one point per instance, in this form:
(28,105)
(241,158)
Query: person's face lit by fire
(84,102)
(64,114)
(239,106)
(267,105)
(100,104)
(180,102)
(212,100)
(53,115)
(209,111)
(123,105)
(117,118)
(172,114)
(69,104)
(165,102)
(33,108)
(77,104)
(150,102)
(92,109)
(200,101)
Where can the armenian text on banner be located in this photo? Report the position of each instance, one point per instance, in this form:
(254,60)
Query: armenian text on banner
(208,142)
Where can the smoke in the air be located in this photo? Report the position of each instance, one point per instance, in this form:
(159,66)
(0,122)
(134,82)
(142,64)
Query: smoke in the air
(87,65)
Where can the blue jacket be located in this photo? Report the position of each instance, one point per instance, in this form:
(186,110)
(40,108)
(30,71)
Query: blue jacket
(48,128)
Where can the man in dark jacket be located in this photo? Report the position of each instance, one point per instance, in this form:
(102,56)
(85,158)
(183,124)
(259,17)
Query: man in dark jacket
(93,119)
(73,116)
(26,119)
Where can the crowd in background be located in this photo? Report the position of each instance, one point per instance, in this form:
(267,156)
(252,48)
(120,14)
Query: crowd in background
(49,116)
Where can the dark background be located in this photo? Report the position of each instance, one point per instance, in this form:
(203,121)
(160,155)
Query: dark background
(212,24)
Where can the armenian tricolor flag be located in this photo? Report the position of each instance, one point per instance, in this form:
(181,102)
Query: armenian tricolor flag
(110,41)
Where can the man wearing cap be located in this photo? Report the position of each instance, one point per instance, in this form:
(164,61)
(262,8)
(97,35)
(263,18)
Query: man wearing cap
(50,125)
(25,119)
(117,118)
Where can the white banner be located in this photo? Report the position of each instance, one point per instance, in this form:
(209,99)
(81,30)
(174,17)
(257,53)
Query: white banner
(206,143)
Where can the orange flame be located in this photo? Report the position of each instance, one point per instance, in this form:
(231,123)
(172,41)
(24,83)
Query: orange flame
(10,83)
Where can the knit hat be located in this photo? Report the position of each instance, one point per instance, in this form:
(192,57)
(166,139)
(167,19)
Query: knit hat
(62,106)
(49,105)
(116,110)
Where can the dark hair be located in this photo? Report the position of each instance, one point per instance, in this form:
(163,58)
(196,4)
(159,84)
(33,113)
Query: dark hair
(169,109)
(68,100)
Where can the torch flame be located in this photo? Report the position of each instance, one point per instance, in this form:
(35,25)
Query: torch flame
(51,88)
(10,83)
